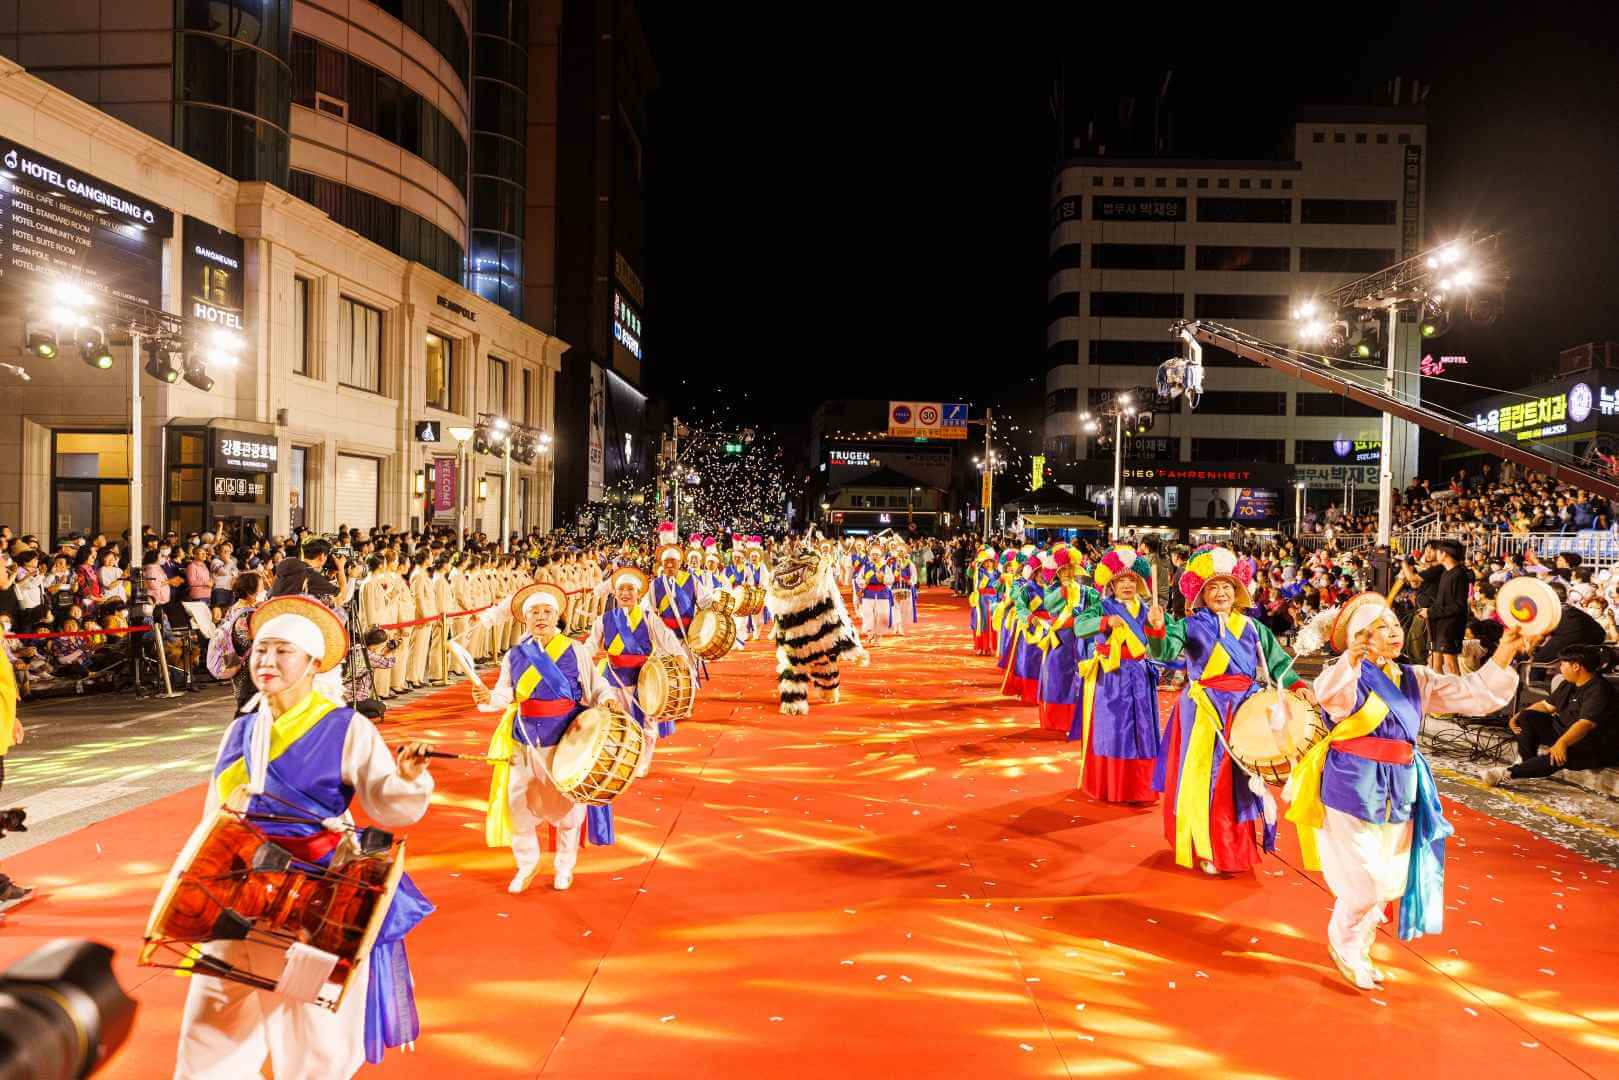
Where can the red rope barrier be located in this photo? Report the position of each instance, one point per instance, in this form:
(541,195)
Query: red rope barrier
(75,633)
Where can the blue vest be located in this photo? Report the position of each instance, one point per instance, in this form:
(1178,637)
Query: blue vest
(1372,790)
(524,658)
(308,774)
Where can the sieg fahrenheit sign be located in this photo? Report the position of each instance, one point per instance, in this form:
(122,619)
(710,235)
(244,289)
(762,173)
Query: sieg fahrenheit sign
(214,276)
(57,223)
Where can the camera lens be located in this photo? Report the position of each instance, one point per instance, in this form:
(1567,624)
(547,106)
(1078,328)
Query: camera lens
(61,1012)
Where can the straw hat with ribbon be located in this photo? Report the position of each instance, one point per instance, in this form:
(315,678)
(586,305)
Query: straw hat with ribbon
(543,593)
(306,623)
(1211,562)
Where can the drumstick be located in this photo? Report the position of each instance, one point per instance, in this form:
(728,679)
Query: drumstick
(485,758)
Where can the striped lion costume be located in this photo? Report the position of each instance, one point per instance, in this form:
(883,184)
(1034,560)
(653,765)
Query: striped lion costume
(812,628)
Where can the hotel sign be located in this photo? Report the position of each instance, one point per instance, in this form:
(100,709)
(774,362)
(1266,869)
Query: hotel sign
(60,224)
(215,286)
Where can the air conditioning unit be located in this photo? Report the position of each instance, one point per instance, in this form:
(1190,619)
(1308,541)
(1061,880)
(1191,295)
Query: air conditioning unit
(332,107)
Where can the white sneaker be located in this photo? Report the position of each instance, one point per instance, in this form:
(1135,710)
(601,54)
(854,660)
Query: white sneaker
(522,879)
(1358,977)
(561,882)
(1497,775)
(1208,867)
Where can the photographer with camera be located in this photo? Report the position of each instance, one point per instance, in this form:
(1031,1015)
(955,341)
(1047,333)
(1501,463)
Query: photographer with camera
(306,576)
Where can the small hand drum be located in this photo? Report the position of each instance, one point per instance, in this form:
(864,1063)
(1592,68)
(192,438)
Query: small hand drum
(1529,604)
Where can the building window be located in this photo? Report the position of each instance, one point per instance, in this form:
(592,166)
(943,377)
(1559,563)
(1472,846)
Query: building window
(441,372)
(1276,211)
(399,230)
(1245,183)
(1060,447)
(298,488)
(1344,260)
(1330,405)
(1138,257)
(1404,139)
(1137,305)
(1062,306)
(1225,182)
(1180,181)
(1202,182)
(90,483)
(1245,450)
(1141,181)
(1382,138)
(1264,185)
(1239,306)
(1066,257)
(359,346)
(1061,401)
(528,397)
(1132,353)
(1360,137)
(1337,137)
(1218,257)
(1096,181)
(1160,182)
(496,398)
(1287,185)
(1118,181)
(1243,403)
(1061,353)
(1348,212)
(1318,136)
(300,326)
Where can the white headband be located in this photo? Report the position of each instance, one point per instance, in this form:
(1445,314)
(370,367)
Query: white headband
(627,579)
(299,630)
(1365,616)
(541,597)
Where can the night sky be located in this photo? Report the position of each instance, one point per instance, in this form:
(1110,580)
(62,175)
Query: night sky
(857,205)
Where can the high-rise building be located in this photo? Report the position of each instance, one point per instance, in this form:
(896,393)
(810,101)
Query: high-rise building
(1139,243)
(587,177)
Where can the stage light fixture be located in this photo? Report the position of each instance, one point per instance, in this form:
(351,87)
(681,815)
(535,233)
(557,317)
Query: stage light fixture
(1435,318)
(42,340)
(163,361)
(93,350)
(197,375)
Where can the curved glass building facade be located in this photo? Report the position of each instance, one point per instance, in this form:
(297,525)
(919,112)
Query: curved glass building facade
(233,85)
(499,161)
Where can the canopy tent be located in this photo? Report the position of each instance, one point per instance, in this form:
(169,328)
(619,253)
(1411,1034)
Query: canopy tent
(1061,521)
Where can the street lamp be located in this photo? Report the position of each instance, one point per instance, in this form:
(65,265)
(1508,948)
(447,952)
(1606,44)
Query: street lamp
(1298,508)
(1123,406)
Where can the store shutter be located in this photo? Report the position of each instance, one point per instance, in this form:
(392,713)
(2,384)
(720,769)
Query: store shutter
(357,491)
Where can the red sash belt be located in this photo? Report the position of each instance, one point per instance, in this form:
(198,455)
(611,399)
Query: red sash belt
(1040,613)
(674,622)
(627,659)
(1372,748)
(1126,653)
(1229,683)
(310,849)
(986,592)
(538,707)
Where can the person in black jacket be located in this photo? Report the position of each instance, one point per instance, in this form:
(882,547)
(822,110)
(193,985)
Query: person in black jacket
(1447,614)
(305,576)
(1578,725)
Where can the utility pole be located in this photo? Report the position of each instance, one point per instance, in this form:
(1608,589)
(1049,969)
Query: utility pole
(1385,477)
(1118,468)
(136,548)
(989,468)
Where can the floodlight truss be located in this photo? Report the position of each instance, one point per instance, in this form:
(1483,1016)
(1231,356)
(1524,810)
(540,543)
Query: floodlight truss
(1416,279)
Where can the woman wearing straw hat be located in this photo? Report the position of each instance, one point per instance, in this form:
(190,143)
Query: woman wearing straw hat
(1363,797)
(545,682)
(300,754)
(1209,807)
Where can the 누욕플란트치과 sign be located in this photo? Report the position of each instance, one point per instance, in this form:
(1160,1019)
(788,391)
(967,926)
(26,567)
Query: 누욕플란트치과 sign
(57,223)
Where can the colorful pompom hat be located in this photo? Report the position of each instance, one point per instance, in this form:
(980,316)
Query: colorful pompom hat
(1210,562)
(1122,559)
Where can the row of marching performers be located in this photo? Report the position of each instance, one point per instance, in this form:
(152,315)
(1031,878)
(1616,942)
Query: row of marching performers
(1361,794)
(881,577)
(297,757)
